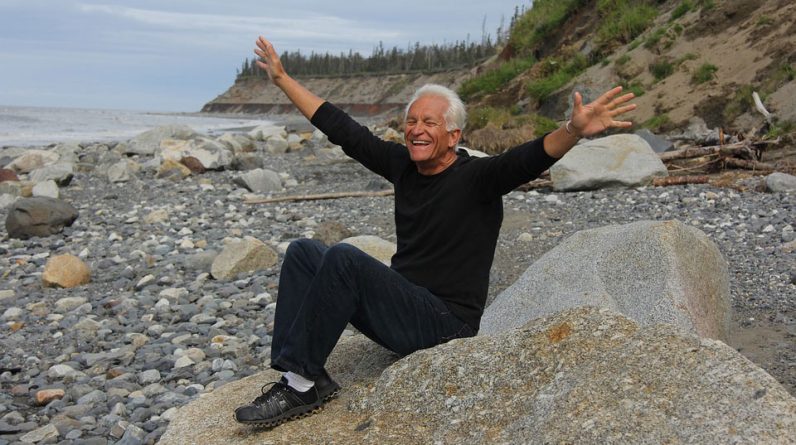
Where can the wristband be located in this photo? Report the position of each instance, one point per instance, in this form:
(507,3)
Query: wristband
(567,129)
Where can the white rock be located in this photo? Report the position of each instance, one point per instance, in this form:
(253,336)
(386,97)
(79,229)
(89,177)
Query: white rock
(48,189)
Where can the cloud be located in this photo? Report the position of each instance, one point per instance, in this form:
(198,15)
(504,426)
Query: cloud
(209,27)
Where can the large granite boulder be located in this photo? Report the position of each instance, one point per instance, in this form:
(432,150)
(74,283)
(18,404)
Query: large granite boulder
(622,160)
(39,217)
(651,271)
(582,376)
(148,142)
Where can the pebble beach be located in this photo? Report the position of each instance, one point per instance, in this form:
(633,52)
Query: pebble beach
(154,330)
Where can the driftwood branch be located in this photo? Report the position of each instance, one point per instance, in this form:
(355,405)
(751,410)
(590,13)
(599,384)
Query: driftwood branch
(679,180)
(319,197)
(760,107)
(749,165)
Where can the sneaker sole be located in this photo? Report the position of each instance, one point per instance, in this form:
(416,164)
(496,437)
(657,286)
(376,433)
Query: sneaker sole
(296,413)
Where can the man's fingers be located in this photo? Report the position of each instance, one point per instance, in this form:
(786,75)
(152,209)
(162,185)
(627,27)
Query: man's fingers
(609,95)
(624,109)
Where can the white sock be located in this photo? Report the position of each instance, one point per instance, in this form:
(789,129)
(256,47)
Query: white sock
(297,382)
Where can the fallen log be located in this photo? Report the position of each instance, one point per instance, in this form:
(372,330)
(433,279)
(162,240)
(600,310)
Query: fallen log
(320,196)
(749,165)
(679,180)
(743,149)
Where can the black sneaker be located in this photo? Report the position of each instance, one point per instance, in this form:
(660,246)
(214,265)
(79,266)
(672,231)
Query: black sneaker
(281,403)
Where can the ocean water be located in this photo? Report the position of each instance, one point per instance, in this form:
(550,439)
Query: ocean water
(35,126)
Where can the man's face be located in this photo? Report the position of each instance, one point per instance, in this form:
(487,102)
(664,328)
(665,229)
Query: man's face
(429,142)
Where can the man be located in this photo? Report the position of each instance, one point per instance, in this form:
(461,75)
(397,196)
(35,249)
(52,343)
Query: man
(448,211)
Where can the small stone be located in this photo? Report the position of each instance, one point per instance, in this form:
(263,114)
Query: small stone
(13,313)
(149,376)
(65,271)
(46,396)
(60,371)
(183,362)
(45,433)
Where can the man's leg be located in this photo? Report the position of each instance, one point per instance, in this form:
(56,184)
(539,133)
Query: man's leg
(347,285)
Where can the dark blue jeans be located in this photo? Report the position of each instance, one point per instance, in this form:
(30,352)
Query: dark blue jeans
(322,289)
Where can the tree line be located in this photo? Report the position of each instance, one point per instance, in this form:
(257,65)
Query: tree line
(415,58)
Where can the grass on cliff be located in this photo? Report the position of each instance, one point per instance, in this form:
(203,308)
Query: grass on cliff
(492,80)
(558,72)
(537,25)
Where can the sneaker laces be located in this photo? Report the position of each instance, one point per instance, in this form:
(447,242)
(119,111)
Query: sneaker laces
(266,394)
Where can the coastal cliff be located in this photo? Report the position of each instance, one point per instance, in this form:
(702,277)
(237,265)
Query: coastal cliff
(366,95)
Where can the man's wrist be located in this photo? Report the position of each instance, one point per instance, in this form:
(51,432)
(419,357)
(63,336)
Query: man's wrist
(570,130)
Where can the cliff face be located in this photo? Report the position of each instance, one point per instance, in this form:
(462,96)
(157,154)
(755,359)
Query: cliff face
(359,95)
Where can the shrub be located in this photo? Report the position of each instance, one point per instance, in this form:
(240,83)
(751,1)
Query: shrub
(622,60)
(704,73)
(557,75)
(661,69)
(682,9)
(623,20)
(494,79)
(635,87)
(543,125)
(539,23)
(657,123)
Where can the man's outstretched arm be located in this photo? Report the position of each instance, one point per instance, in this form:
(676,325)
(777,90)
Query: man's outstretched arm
(304,99)
(589,120)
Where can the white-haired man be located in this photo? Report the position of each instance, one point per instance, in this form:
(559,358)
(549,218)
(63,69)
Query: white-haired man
(448,212)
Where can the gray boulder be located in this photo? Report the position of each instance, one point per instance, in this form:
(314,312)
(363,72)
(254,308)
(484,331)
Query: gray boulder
(60,172)
(264,132)
(148,142)
(653,272)
(121,171)
(47,189)
(622,160)
(39,217)
(247,161)
(582,376)
(31,160)
(374,246)
(657,143)
(276,145)
(260,181)
(781,183)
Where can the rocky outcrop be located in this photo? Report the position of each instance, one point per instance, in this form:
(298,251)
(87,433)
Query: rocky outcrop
(622,160)
(653,272)
(374,246)
(583,376)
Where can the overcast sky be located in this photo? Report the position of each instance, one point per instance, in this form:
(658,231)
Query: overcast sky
(175,55)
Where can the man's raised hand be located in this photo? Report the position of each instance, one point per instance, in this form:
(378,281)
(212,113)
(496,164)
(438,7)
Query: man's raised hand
(598,116)
(269,59)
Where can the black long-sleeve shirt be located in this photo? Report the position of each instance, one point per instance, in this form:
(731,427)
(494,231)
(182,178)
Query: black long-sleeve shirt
(447,224)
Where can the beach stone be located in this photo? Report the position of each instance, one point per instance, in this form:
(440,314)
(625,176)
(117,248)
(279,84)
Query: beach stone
(148,142)
(242,255)
(781,183)
(12,313)
(31,160)
(6,200)
(60,371)
(193,164)
(156,216)
(39,216)
(8,175)
(276,145)
(374,246)
(622,160)
(67,304)
(392,135)
(264,132)
(149,376)
(236,144)
(657,143)
(260,181)
(247,161)
(60,172)
(45,433)
(294,141)
(121,171)
(65,271)
(133,435)
(46,396)
(651,271)
(87,326)
(170,169)
(331,232)
(585,375)
(470,151)
(213,155)
(46,189)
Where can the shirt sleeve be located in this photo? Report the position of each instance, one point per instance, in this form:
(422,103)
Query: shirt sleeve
(357,141)
(498,175)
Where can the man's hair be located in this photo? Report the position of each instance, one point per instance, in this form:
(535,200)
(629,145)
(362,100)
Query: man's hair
(455,116)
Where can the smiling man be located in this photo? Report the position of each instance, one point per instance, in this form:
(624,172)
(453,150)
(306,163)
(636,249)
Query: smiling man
(448,212)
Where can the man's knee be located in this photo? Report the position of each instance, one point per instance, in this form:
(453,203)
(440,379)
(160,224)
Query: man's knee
(342,254)
(301,246)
